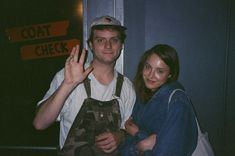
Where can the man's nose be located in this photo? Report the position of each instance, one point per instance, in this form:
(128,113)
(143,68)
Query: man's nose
(108,44)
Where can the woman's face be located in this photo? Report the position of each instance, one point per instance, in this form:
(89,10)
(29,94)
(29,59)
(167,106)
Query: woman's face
(155,72)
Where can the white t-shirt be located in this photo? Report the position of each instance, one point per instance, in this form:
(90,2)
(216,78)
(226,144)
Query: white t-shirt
(98,91)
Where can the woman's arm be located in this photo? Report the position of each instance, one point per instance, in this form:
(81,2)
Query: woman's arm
(147,144)
(178,134)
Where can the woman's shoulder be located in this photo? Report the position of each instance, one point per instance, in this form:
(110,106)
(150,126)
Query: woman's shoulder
(178,97)
(170,87)
(167,90)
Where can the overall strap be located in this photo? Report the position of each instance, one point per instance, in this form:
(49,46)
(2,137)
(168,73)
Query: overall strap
(87,86)
(120,80)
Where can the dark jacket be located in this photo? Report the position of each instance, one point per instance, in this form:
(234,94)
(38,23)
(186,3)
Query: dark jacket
(174,124)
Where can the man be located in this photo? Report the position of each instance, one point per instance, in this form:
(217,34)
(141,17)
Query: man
(74,85)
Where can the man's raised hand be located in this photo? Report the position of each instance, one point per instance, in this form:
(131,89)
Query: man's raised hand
(74,67)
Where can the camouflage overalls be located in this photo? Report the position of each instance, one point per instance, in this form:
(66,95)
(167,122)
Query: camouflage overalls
(94,118)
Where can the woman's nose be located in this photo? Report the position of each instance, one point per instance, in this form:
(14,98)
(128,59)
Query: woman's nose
(151,73)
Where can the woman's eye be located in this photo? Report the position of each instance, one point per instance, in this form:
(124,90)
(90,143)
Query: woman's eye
(147,66)
(160,71)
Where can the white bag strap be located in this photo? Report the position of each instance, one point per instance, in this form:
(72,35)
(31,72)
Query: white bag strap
(169,100)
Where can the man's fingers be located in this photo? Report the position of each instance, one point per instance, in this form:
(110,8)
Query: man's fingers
(71,55)
(108,147)
(82,57)
(109,150)
(73,51)
(76,53)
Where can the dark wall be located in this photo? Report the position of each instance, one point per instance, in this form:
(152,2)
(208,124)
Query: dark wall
(24,82)
(203,33)
(230,91)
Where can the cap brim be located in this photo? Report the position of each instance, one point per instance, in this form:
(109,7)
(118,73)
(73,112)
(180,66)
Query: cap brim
(118,26)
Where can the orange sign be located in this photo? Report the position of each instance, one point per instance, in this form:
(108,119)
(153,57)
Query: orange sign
(38,31)
(50,49)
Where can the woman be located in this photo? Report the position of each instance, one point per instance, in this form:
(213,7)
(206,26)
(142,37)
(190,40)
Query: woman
(159,127)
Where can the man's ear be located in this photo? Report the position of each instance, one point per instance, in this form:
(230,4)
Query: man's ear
(90,45)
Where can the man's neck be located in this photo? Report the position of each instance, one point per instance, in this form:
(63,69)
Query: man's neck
(104,73)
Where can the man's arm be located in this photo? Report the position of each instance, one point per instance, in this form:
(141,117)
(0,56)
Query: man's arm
(49,110)
(74,73)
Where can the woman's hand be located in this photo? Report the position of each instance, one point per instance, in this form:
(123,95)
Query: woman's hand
(131,127)
(147,144)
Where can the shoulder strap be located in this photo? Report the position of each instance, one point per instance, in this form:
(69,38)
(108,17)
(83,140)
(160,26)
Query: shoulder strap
(172,93)
(169,100)
(87,86)
(120,80)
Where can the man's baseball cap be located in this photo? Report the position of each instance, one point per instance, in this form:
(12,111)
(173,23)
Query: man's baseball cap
(106,20)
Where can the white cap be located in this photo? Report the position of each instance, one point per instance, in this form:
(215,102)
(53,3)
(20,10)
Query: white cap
(106,20)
